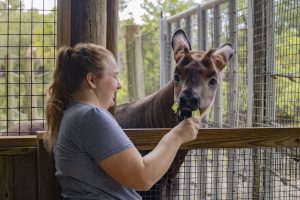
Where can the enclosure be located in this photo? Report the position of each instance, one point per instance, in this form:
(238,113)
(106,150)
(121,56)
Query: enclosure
(249,147)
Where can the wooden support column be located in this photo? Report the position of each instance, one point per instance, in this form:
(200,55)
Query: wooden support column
(82,21)
(88,21)
(48,187)
(112,34)
(63,23)
(135,67)
(112,27)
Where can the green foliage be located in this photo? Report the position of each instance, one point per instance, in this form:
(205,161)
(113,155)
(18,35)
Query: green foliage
(287,67)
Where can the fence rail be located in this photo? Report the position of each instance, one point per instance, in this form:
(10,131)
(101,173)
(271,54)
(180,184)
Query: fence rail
(147,139)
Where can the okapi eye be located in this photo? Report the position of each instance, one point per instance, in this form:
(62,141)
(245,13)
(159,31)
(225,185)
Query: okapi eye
(176,78)
(213,82)
(185,61)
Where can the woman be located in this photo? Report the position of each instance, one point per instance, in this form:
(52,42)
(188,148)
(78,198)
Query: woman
(94,158)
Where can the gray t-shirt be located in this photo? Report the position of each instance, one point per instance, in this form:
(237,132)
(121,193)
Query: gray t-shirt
(88,134)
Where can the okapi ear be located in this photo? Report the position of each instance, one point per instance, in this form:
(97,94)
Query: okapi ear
(180,44)
(222,56)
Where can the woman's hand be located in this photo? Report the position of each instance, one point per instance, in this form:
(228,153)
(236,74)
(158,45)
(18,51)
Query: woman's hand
(187,130)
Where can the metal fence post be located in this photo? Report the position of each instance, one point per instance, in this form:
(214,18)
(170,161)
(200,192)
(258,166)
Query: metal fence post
(233,119)
(163,52)
(270,96)
(217,182)
(233,108)
(202,163)
(201,15)
(250,62)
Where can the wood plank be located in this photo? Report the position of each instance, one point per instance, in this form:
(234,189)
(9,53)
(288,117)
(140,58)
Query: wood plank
(48,187)
(6,178)
(25,177)
(10,151)
(17,141)
(223,138)
(207,138)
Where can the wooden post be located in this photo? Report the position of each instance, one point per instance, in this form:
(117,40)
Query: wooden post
(63,23)
(112,34)
(112,27)
(48,187)
(135,69)
(6,180)
(139,67)
(81,21)
(130,32)
(88,21)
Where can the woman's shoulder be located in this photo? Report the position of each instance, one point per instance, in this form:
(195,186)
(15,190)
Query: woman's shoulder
(91,112)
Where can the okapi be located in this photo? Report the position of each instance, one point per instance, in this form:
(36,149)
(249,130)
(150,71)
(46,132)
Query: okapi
(192,88)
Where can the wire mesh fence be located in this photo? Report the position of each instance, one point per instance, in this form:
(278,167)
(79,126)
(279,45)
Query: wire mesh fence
(214,181)
(258,89)
(27,58)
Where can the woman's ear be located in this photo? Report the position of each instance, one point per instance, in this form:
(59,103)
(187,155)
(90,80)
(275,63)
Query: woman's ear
(90,79)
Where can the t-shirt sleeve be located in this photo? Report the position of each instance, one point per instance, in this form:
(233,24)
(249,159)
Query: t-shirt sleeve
(102,136)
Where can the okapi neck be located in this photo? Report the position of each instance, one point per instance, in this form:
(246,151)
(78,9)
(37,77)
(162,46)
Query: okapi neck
(164,101)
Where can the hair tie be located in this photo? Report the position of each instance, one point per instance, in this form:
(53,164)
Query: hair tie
(69,52)
(84,53)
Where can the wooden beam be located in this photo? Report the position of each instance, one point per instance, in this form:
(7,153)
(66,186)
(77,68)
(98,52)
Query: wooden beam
(12,151)
(147,139)
(17,141)
(223,138)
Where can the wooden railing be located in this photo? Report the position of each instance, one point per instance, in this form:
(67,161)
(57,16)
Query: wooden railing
(27,169)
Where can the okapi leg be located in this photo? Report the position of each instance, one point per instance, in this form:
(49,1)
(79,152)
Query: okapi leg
(166,187)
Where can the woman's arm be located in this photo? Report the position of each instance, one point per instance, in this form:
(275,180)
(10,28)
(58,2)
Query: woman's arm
(132,170)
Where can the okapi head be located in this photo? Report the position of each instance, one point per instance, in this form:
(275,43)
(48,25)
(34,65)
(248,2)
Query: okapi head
(196,74)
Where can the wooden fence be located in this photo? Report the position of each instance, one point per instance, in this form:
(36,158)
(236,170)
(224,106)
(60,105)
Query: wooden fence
(27,169)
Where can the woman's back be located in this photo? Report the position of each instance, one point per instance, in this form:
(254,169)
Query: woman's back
(81,144)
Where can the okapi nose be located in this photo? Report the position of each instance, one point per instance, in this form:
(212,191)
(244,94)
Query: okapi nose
(188,101)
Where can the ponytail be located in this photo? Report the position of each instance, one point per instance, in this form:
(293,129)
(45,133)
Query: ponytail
(58,95)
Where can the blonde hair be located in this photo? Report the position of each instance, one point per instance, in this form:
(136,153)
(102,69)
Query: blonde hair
(72,65)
